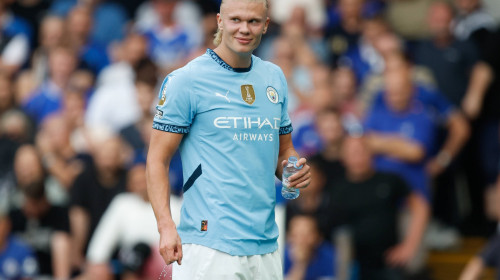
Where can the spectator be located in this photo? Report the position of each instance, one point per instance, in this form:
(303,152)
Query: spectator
(443,163)
(48,96)
(115,88)
(51,36)
(45,228)
(403,140)
(92,192)
(313,200)
(146,80)
(400,134)
(17,260)
(60,160)
(170,43)
(331,132)
(344,37)
(387,45)
(109,18)
(459,74)
(92,55)
(128,221)
(472,20)
(307,256)
(464,80)
(15,35)
(365,59)
(368,202)
(346,99)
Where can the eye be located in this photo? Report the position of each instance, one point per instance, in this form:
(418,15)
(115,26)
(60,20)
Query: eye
(235,19)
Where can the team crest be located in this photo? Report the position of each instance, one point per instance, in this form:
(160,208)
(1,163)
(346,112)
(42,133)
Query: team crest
(272,94)
(248,94)
(163,94)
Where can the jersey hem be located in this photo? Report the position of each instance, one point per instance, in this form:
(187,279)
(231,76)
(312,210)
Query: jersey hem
(261,248)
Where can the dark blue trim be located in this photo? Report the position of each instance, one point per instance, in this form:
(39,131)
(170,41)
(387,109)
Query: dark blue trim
(189,183)
(222,63)
(171,128)
(286,129)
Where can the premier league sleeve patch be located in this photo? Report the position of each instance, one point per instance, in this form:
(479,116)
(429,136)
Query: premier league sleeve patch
(272,94)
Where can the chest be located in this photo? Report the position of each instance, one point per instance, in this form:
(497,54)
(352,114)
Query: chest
(249,102)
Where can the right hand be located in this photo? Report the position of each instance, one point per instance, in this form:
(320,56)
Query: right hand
(170,245)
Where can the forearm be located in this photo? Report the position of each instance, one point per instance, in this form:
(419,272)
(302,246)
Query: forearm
(473,270)
(159,193)
(396,147)
(419,209)
(80,223)
(481,77)
(458,133)
(61,247)
(297,272)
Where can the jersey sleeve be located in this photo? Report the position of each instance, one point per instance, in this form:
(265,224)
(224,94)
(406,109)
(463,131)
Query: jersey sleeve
(176,109)
(439,103)
(286,123)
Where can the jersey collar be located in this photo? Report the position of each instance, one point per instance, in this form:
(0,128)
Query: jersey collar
(222,63)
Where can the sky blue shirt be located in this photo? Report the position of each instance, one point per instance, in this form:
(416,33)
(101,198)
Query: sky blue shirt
(232,120)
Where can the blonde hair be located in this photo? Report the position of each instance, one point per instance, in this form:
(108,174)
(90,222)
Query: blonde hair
(218,34)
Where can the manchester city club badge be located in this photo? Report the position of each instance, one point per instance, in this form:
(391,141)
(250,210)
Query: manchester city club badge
(248,94)
(272,94)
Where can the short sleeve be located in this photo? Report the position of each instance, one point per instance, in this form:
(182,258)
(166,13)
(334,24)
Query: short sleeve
(443,107)
(286,123)
(77,192)
(175,110)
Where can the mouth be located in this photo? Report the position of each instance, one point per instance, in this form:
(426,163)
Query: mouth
(243,41)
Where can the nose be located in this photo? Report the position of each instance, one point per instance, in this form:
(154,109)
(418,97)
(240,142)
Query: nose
(244,27)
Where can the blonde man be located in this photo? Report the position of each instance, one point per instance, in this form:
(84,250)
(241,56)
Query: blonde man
(226,111)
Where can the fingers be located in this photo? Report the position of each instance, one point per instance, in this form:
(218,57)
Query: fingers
(179,253)
(284,163)
(172,253)
(302,178)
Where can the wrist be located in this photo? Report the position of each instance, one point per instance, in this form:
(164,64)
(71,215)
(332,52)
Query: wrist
(166,226)
(443,158)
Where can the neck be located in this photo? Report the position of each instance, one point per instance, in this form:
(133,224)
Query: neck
(443,40)
(331,152)
(235,60)
(360,177)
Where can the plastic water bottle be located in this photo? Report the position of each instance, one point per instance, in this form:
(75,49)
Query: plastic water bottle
(290,169)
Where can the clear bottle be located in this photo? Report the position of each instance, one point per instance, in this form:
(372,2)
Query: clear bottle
(290,169)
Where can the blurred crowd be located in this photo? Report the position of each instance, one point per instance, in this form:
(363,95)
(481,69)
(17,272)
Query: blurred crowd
(396,105)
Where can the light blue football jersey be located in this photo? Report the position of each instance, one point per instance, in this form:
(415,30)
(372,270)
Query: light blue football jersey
(232,119)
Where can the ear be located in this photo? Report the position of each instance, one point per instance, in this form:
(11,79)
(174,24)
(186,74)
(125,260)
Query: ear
(219,21)
(266,25)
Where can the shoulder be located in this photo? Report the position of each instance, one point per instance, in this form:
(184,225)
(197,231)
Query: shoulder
(189,71)
(269,66)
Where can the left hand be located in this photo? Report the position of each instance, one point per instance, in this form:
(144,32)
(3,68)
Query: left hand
(302,178)
(400,255)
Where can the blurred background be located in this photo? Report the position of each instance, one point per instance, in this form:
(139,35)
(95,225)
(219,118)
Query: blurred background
(395,103)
